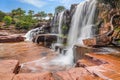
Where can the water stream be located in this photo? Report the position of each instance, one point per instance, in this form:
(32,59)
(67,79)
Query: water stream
(82,21)
(81,28)
(60,26)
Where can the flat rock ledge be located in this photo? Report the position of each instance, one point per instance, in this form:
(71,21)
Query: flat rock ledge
(9,66)
(34,76)
(11,38)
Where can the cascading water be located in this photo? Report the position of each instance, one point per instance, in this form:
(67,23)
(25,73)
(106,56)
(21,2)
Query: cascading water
(60,26)
(59,40)
(81,28)
(82,22)
(30,34)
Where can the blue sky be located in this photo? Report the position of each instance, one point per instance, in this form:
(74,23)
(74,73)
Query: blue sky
(36,5)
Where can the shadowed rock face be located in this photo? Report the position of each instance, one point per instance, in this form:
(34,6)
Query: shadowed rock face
(72,10)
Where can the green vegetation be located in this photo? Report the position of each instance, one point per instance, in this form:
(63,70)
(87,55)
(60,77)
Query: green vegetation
(50,15)
(64,29)
(59,9)
(42,15)
(2,15)
(22,20)
(7,20)
(113,3)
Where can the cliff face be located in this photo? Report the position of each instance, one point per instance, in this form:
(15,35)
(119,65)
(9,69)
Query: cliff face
(107,9)
(107,22)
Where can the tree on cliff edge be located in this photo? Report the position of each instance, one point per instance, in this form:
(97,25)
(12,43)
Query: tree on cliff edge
(59,9)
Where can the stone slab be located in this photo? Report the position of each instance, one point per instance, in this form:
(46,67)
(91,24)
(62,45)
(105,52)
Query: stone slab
(6,76)
(11,38)
(8,66)
(34,76)
(76,74)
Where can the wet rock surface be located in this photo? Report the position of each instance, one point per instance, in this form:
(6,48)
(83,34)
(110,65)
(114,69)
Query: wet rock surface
(91,63)
(35,61)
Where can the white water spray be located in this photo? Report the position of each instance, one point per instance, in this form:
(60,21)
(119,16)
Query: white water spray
(81,28)
(30,34)
(82,21)
(60,26)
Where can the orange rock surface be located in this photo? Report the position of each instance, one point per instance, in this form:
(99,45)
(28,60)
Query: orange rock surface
(108,69)
(34,76)
(24,51)
(8,66)
(6,76)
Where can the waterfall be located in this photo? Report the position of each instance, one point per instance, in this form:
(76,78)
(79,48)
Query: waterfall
(60,26)
(59,40)
(81,28)
(82,22)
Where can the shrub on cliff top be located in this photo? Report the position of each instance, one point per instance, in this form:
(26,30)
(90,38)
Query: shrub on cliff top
(7,20)
(23,25)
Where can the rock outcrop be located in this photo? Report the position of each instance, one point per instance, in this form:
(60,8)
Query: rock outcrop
(11,38)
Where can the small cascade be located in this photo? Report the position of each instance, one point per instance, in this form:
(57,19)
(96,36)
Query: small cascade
(33,32)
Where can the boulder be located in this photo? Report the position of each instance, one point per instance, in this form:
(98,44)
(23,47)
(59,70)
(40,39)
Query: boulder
(102,40)
(79,52)
(9,66)
(46,39)
(11,38)
(34,76)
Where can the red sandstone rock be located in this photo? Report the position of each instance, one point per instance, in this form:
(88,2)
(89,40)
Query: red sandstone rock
(108,69)
(84,63)
(34,76)
(8,66)
(76,74)
(11,38)
(105,29)
(90,42)
(6,76)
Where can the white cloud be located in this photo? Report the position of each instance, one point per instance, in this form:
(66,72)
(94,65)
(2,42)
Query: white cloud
(41,3)
(67,3)
(36,3)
